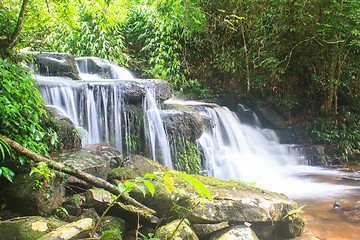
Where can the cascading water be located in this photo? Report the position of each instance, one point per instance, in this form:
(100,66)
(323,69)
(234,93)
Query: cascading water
(155,131)
(97,105)
(233,150)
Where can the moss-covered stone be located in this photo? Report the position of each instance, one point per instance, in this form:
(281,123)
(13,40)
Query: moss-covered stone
(182,228)
(111,223)
(188,159)
(73,204)
(34,195)
(121,173)
(29,228)
(235,232)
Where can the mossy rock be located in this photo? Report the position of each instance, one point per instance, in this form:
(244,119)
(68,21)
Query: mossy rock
(34,195)
(29,228)
(183,231)
(112,224)
(120,173)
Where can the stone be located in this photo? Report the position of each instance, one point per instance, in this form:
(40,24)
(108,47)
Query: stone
(98,198)
(140,165)
(96,159)
(56,64)
(30,228)
(34,195)
(75,230)
(183,231)
(112,223)
(73,204)
(233,202)
(237,232)
(352,216)
(182,121)
(205,229)
(68,138)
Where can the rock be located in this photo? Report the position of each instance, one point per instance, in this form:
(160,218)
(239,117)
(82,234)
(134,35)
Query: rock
(183,231)
(76,230)
(90,213)
(30,228)
(113,224)
(98,198)
(352,216)
(280,229)
(96,159)
(66,130)
(56,64)
(357,205)
(237,232)
(336,206)
(203,230)
(233,202)
(34,195)
(182,121)
(73,204)
(141,165)
(315,154)
(96,66)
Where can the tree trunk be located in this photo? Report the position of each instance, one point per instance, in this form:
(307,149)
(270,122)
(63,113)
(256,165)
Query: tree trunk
(7,44)
(75,172)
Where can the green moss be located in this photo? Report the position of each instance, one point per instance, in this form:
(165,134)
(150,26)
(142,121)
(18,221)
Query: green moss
(120,173)
(29,228)
(113,224)
(188,158)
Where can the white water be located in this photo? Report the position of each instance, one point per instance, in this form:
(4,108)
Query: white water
(233,150)
(155,131)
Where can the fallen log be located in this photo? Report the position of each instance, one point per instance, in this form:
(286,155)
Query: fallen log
(76,173)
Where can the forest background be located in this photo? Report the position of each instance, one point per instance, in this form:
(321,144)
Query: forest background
(299,57)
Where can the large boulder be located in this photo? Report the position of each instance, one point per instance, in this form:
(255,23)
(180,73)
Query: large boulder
(56,64)
(96,159)
(237,232)
(75,230)
(31,228)
(182,121)
(36,195)
(176,230)
(68,137)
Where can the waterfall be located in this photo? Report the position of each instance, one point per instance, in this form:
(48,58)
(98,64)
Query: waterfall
(155,132)
(97,107)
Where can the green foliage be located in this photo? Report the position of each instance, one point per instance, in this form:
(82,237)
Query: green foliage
(141,183)
(43,169)
(294,213)
(22,115)
(343,132)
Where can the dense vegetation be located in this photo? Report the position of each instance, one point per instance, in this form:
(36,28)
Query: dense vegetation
(300,57)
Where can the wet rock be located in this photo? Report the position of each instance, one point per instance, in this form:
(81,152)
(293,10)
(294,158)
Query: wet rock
(183,121)
(232,201)
(237,232)
(114,224)
(90,213)
(96,66)
(76,230)
(202,230)
(141,165)
(73,204)
(34,195)
(28,228)
(56,64)
(98,198)
(352,216)
(96,159)
(66,130)
(183,231)
(336,206)
(135,90)
(279,230)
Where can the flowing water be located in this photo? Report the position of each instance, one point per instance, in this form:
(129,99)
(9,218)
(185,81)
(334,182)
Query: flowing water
(234,150)
(232,147)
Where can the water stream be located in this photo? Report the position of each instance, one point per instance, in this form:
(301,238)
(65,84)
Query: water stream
(231,148)
(234,150)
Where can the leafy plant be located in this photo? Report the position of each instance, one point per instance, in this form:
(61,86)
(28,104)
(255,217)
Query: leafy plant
(142,183)
(294,213)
